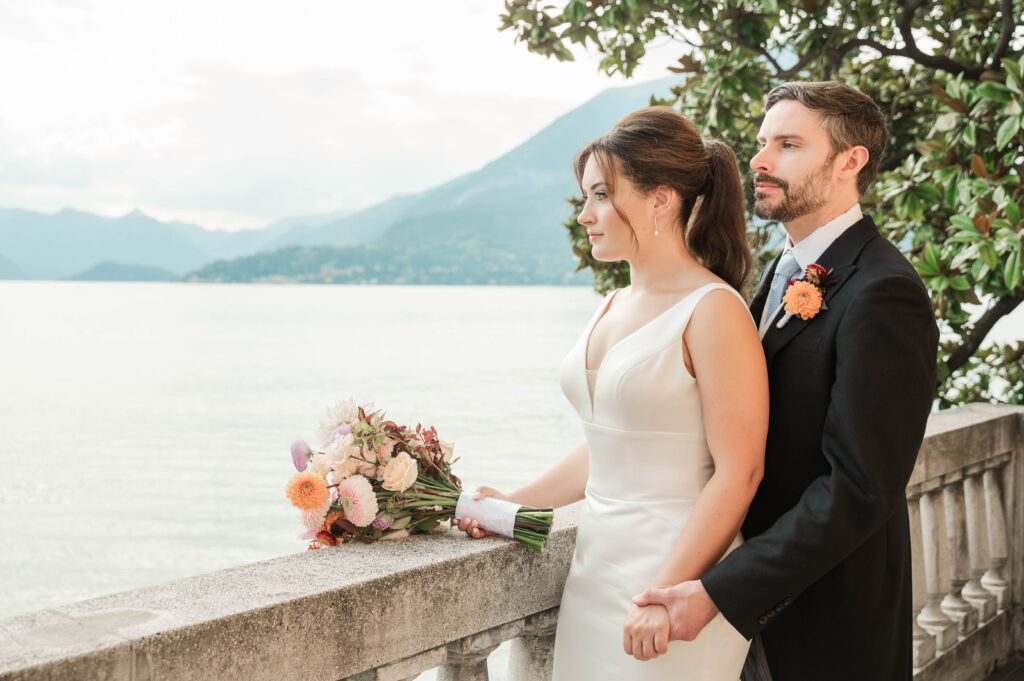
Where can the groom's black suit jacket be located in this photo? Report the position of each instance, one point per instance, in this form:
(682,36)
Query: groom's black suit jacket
(824,573)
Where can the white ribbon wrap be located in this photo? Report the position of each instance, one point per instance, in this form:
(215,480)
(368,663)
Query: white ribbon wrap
(493,515)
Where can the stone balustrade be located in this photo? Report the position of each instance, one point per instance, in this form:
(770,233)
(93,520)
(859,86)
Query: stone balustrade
(393,610)
(966,522)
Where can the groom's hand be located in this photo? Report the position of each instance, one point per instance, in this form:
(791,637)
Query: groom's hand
(689,608)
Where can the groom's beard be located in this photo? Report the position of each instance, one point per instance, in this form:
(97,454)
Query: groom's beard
(806,197)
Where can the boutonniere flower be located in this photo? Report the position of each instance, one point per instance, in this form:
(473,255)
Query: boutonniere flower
(805,298)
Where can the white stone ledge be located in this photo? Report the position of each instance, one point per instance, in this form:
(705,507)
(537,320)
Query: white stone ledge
(312,616)
(389,609)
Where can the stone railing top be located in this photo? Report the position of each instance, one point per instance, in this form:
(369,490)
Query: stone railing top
(957,439)
(315,615)
(324,615)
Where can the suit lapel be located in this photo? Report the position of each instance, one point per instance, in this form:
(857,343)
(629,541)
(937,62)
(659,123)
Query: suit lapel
(840,256)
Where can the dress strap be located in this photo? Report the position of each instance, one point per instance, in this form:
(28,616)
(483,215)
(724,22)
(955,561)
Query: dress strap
(680,318)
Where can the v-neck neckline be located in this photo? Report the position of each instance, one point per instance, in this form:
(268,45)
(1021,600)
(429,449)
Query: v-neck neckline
(604,310)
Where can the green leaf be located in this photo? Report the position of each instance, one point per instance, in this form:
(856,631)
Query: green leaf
(1012,212)
(959,283)
(969,134)
(994,91)
(1006,131)
(931,255)
(963,222)
(1012,273)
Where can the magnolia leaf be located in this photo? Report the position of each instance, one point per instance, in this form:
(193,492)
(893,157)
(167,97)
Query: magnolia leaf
(1012,273)
(946,121)
(951,100)
(978,167)
(1007,130)
(969,134)
(1013,108)
(1012,212)
(959,283)
(983,224)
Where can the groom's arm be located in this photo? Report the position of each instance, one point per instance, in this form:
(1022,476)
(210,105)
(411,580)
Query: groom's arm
(885,381)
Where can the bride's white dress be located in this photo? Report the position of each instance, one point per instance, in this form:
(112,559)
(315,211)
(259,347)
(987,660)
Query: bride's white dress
(649,460)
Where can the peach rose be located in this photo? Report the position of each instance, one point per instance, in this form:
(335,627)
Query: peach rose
(400,474)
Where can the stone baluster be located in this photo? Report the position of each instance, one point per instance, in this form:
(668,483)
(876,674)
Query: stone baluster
(467,658)
(954,604)
(993,578)
(533,653)
(932,618)
(924,646)
(974,504)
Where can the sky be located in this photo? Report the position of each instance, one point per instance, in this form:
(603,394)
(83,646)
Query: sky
(233,114)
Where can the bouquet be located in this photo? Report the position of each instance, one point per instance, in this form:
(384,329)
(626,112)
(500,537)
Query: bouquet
(374,480)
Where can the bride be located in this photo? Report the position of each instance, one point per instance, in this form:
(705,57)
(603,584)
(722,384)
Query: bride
(670,383)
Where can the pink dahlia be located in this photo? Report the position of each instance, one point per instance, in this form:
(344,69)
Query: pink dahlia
(358,500)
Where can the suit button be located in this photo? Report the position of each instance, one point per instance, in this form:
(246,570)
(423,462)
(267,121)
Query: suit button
(770,614)
(787,600)
(762,620)
(779,607)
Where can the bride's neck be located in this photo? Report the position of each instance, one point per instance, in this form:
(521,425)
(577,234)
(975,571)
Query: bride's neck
(658,268)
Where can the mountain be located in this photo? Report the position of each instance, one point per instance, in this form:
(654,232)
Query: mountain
(509,211)
(114,271)
(8,270)
(66,244)
(538,170)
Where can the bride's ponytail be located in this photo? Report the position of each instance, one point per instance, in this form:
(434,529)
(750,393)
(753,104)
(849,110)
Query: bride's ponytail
(717,234)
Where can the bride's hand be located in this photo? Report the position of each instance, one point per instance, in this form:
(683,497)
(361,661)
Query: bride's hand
(645,634)
(470,525)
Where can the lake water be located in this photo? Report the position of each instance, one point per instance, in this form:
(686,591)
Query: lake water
(144,428)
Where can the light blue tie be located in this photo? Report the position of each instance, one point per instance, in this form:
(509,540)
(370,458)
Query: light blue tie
(788,268)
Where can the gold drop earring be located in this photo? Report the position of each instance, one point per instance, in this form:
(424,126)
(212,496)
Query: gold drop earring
(655,224)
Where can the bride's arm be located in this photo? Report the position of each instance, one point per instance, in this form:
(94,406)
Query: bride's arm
(560,485)
(729,365)
(728,361)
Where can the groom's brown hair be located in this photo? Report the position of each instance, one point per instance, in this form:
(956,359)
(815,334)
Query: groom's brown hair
(849,116)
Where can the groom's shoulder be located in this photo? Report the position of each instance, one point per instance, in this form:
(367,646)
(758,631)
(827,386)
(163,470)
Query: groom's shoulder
(881,258)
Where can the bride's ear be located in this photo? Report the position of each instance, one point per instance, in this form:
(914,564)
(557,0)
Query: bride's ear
(665,198)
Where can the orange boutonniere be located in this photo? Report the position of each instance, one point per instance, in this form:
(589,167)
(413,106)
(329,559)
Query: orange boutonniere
(805,298)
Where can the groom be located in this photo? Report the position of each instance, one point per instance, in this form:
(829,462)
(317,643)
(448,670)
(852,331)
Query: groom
(823,582)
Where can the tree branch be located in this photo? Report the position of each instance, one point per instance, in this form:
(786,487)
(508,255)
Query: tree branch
(1005,35)
(910,48)
(1003,307)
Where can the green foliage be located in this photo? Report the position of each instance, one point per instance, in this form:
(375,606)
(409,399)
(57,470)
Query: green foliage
(949,192)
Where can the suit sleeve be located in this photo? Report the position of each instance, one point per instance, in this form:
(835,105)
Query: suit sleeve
(886,349)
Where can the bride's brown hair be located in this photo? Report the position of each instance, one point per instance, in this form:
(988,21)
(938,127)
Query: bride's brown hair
(659,146)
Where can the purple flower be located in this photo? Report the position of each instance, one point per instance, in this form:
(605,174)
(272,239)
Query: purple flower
(383,522)
(300,454)
(340,431)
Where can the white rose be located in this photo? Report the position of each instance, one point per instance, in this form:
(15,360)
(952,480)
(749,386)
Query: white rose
(447,448)
(400,474)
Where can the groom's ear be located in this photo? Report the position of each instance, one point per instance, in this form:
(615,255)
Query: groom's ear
(851,161)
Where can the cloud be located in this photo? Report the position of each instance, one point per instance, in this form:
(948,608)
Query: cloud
(234,114)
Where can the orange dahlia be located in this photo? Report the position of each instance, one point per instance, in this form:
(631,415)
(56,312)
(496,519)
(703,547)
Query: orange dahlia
(307,491)
(802,299)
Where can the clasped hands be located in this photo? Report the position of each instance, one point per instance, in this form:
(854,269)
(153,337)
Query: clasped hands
(660,615)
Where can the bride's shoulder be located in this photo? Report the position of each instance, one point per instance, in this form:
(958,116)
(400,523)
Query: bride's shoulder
(720,309)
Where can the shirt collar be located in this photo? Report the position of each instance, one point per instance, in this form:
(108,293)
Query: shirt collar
(810,249)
